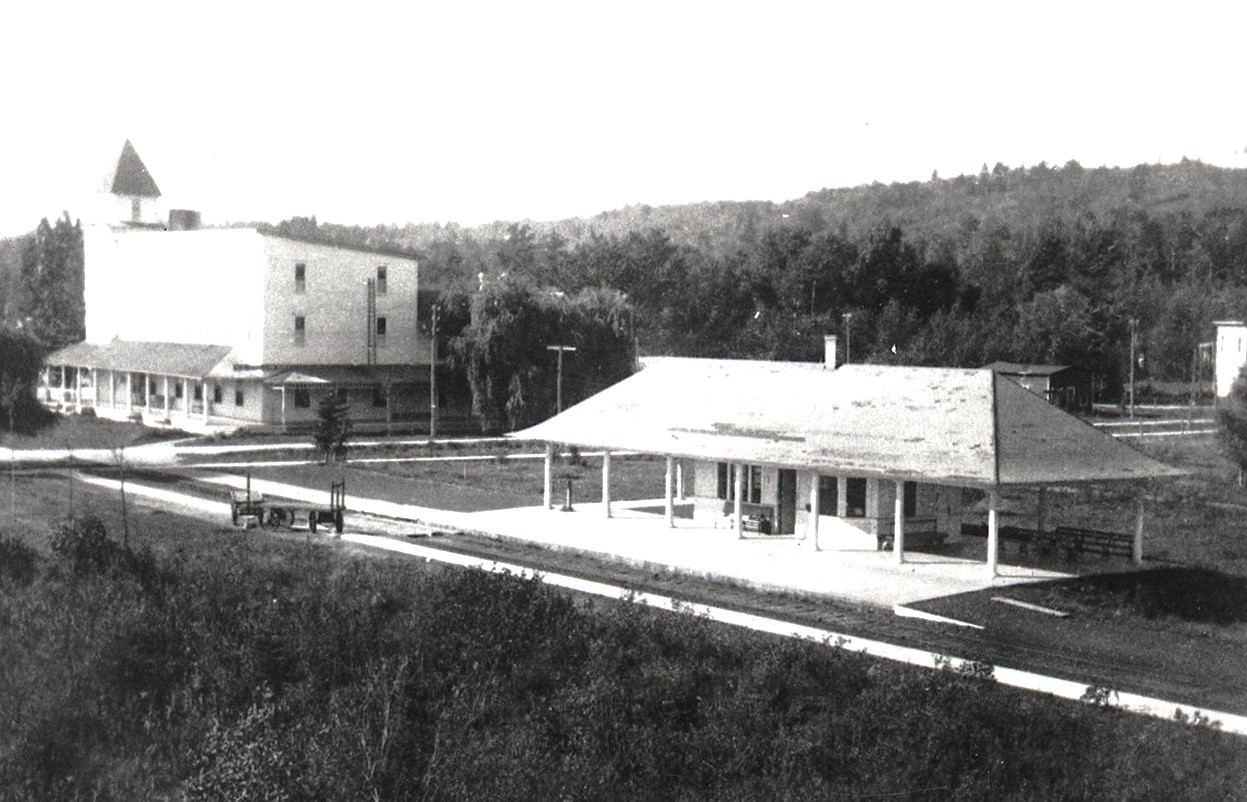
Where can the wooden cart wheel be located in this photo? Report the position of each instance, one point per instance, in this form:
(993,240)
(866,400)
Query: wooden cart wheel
(337,521)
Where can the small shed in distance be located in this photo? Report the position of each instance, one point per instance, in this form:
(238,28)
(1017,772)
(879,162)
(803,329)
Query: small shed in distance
(1062,385)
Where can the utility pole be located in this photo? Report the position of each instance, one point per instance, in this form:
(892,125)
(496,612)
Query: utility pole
(558,392)
(433,376)
(1134,335)
(848,336)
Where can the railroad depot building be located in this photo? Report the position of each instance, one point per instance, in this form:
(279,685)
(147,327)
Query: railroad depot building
(235,326)
(860,457)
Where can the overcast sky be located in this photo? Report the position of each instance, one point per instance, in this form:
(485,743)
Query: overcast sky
(473,112)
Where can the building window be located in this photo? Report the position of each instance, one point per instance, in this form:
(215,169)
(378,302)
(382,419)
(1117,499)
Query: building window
(752,479)
(300,277)
(302,397)
(151,387)
(381,271)
(910,505)
(828,495)
(379,398)
(381,326)
(855,498)
(178,389)
(753,484)
(216,393)
(199,392)
(238,398)
(300,330)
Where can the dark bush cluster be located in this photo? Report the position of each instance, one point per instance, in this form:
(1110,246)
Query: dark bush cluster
(316,676)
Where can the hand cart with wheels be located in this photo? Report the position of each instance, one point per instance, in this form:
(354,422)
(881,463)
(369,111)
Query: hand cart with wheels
(247,505)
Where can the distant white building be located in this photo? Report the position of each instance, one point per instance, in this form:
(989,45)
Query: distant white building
(235,326)
(1231,353)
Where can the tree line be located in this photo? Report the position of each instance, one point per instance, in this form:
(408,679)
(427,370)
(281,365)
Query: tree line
(1049,265)
(1038,265)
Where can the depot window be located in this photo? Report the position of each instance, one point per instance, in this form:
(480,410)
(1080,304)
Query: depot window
(855,497)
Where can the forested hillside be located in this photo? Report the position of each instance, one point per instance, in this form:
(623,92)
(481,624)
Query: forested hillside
(1039,264)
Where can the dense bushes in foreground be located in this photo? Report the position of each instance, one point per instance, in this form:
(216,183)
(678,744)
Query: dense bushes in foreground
(322,676)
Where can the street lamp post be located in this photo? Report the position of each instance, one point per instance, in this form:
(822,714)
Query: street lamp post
(559,385)
(848,335)
(433,376)
(1134,336)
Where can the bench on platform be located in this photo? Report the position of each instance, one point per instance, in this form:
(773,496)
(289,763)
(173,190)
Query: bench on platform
(1069,539)
(757,518)
(1072,539)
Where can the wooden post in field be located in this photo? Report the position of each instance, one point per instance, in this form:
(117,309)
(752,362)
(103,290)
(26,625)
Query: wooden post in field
(606,482)
(738,503)
(669,492)
(815,501)
(898,523)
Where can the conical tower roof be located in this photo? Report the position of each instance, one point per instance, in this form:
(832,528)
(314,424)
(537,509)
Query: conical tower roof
(131,178)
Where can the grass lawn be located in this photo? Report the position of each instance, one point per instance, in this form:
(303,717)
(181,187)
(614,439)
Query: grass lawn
(83,432)
(276,667)
(499,481)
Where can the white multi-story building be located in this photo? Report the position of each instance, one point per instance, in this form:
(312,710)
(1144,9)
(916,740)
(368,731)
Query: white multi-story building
(234,326)
(1231,353)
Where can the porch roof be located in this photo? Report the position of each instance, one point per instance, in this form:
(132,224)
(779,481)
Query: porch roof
(133,356)
(342,376)
(941,425)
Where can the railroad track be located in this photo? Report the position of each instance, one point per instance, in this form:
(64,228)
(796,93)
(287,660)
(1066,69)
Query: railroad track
(840,616)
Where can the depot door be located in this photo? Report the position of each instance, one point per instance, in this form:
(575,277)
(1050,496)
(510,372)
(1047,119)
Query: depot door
(787,512)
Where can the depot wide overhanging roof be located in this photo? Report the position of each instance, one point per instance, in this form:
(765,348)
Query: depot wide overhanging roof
(939,425)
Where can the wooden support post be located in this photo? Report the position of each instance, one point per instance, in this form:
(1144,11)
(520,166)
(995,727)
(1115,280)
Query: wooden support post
(282,390)
(606,482)
(815,502)
(679,479)
(129,392)
(166,378)
(669,493)
(739,500)
(78,388)
(993,532)
(898,523)
(1137,552)
(205,400)
(549,477)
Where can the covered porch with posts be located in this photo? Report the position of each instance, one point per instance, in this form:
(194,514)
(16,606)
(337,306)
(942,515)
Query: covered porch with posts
(170,383)
(904,515)
(378,394)
(897,449)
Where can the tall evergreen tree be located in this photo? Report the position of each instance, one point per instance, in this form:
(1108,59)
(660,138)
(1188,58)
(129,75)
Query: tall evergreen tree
(52,306)
(333,428)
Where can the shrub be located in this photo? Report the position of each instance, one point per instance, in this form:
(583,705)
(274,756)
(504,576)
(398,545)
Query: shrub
(18,561)
(84,544)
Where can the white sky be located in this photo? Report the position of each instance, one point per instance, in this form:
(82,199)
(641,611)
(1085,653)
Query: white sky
(367,113)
